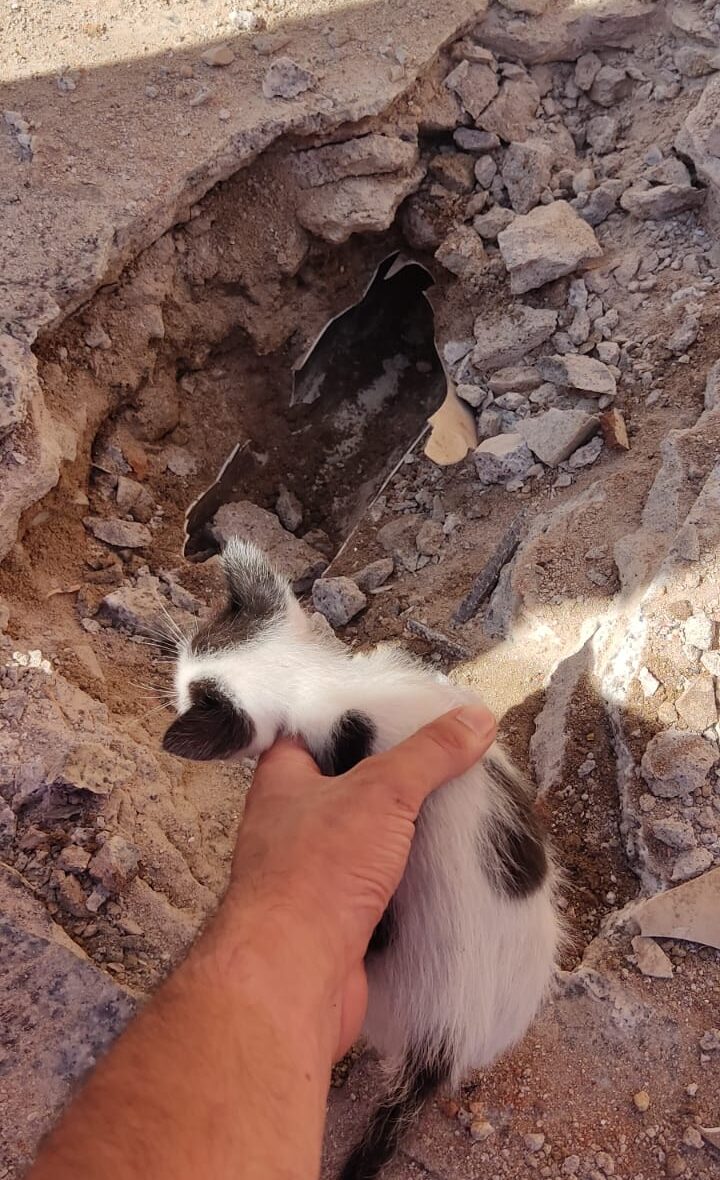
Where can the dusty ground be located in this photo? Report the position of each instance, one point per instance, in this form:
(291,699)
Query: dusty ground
(165,321)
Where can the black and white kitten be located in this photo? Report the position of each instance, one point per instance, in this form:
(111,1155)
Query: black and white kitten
(465,952)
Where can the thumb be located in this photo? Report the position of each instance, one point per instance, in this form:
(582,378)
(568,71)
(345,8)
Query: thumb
(435,754)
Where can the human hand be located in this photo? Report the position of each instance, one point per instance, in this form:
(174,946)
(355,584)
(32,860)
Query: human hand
(321,857)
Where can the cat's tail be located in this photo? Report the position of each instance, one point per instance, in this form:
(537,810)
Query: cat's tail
(393,1118)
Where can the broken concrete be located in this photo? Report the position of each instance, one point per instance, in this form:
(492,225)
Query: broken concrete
(555,434)
(549,242)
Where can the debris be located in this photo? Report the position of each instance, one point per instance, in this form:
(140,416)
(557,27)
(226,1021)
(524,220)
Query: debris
(711,1135)
(712,387)
(471,140)
(135,499)
(578,372)
(338,599)
(286,79)
(486,581)
(696,705)
(398,538)
(674,1165)
(614,430)
(367,155)
(453,170)
(179,461)
(699,631)
(676,833)
(505,338)
(641,1100)
(676,763)
(374,575)
(553,435)
(269,43)
(360,204)
(218,55)
(475,85)
(501,458)
(116,864)
(694,61)
(439,642)
(610,85)
(691,864)
(534,1141)
(511,112)
(453,433)
(586,70)
(526,172)
(546,243)
(490,224)
(480,1130)
(73,859)
(289,510)
(710,1041)
(485,171)
(121,534)
(665,200)
(463,254)
(430,538)
(139,608)
(474,395)
(97,337)
(587,455)
(521,378)
(600,203)
(601,134)
(293,557)
(684,335)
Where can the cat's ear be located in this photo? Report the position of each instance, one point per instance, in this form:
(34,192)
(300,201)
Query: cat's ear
(255,589)
(212,728)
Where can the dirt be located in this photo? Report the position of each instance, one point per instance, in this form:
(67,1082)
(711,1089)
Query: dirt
(204,308)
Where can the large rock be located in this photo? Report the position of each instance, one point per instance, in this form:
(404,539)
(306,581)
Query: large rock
(554,435)
(549,242)
(526,172)
(502,458)
(293,557)
(504,339)
(511,113)
(368,155)
(475,85)
(578,372)
(361,204)
(699,137)
(564,31)
(664,200)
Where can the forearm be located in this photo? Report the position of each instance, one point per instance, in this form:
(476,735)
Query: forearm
(225,1073)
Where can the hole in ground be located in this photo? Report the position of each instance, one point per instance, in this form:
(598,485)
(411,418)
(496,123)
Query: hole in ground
(360,397)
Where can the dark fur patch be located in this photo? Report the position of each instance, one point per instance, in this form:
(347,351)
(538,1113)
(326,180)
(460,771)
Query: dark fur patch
(212,728)
(519,844)
(384,932)
(256,596)
(351,740)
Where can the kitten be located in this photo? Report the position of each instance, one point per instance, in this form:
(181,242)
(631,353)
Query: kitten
(465,952)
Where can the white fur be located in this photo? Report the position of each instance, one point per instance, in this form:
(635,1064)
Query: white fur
(468,966)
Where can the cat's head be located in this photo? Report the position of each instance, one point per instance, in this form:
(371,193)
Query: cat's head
(232,678)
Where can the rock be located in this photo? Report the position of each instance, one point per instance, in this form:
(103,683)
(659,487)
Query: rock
(521,378)
(610,86)
(693,1138)
(70,894)
(116,864)
(358,205)
(670,171)
(677,763)
(367,155)
(480,1130)
(641,1100)
(122,534)
(269,43)
(73,859)
(501,458)
(710,1041)
(454,170)
(132,498)
(699,630)
(338,599)
(652,961)
(485,171)
(601,133)
(374,575)
(712,387)
(430,538)
(586,70)
(510,114)
(286,79)
(463,254)
(696,705)
(553,435)
(4,616)
(219,55)
(601,202)
(664,200)
(526,172)
(691,864)
(293,557)
(578,372)
(289,510)
(97,337)
(587,455)
(469,139)
(398,538)
(694,62)
(8,825)
(614,430)
(684,335)
(571,1165)
(534,1141)
(543,245)
(474,395)
(475,85)
(426,217)
(676,833)
(490,224)
(504,339)
(608,352)
(139,608)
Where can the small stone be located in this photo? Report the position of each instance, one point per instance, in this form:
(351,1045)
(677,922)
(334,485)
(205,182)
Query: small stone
(338,599)
(245,20)
(547,243)
(73,859)
(614,430)
(610,85)
(501,458)
(676,763)
(122,534)
(485,169)
(696,705)
(374,575)
(710,660)
(534,1141)
(511,112)
(710,1041)
(571,1165)
(526,172)
(474,395)
(480,1130)
(8,824)
(269,43)
(218,55)
(463,254)
(587,455)
(476,142)
(674,1164)
(692,1090)
(453,170)
(641,1100)
(670,171)
(648,683)
(693,1138)
(521,378)
(694,61)
(116,864)
(490,423)
(605,1163)
(286,79)
(699,631)
(490,224)
(97,337)
(133,498)
(664,200)
(676,833)
(553,435)
(289,510)
(601,133)
(608,352)
(70,893)
(601,202)
(586,70)
(294,557)
(578,372)
(430,538)
(685,335)
(179,461)
(691,864)
(505,338)
(475,85)
(398,538)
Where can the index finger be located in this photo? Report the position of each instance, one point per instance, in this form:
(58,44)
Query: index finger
(438,752)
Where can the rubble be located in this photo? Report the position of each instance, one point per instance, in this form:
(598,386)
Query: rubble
(501,458)
(526,172)
(338,599)
(652,961)
(357,205)
(546,243)
(553,435)
(286,79)
(295,558)
(677,763)
(664,200)
(374,575)
(121,534)
(578,372)
(116,864)
(369,155)
(462,253)
(475,85)
(505,338)
(511,113)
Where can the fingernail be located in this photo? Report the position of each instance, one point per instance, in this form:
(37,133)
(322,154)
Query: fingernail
(478,719)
